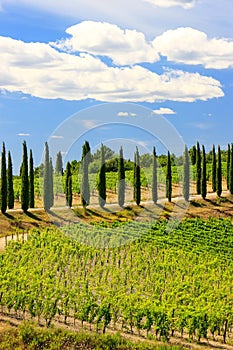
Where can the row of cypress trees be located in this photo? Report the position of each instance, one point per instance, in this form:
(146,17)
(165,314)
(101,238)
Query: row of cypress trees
(27,181)
(27,177)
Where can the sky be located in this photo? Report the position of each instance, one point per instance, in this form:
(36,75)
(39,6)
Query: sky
(164,68)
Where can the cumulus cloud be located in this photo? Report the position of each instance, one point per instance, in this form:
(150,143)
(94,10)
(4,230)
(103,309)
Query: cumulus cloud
(39,70)
(191,46)
(124,47)
(186,4)
(163,110)
(128,47)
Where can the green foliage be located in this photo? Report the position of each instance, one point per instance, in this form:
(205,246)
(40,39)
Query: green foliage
(219,173)
(24,180)
(231,171)
(68,185)
(137,178)
(228,164)
(193,155)
(31,182)
(198,169)
(59,164)
(154,178)
(121,179)
(10,184)
(29,336)
(169,178)
(160,281)
(48,180)
(186,178)
(214,172)
(3,196)
(203,174)
(101,185)
(85,188)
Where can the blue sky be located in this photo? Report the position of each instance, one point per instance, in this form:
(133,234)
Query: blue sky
(171,57)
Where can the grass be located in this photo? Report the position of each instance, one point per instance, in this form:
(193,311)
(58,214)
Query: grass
(29,336)
(18,221)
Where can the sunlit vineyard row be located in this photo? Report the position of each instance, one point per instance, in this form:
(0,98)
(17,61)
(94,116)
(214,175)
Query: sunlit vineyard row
(144,278)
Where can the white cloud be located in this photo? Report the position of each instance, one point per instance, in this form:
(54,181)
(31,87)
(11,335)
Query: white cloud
(23,134)
(39,70)
(126,114)
(123,114)
(163,110)
(186,4)
(124,47)
(57,137)
(191,46)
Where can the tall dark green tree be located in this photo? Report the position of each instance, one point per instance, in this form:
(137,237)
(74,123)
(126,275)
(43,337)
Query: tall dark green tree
(214,171)
(31,181)
(121,179)
(198,169)
(102,180)
(169,178)
(193,155)
(85,187)
(51,194)
(59,164)
(186,181)
(24,180)
(3,180)
(137,178)
(219,173)
(154,178)
(48,180)
(10,187)
(68,184)
(203,174)
(228,164)
(231,171)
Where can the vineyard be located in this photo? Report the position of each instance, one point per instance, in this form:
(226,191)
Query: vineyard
(148,279)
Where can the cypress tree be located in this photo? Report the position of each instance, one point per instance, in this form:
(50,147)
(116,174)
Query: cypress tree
(137,179)
(154,178)
(231,171)
(59,164)
(198,169)
(102,180)
(85,188)
(193,155)
(24,180)
(214,173)
(203,174)
(169,178)
(68,185)
(228,164)
(51,193)
(10,187)
(219,173)
(121,179)
(31,182)
(48,183)
(186,181)
(3,180)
